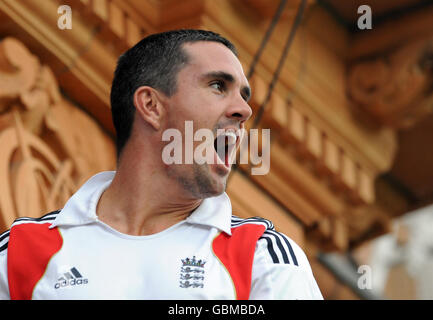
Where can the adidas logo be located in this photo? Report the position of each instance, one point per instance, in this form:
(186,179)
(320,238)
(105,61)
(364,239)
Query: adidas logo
(71,278)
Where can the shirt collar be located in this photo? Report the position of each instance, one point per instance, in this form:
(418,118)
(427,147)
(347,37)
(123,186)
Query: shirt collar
(214,212)
(80,209)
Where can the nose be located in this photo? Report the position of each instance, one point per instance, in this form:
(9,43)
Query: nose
(239,110)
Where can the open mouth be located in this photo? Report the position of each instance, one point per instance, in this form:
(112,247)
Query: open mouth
(224,145)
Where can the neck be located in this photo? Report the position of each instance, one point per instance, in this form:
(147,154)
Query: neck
(142,200)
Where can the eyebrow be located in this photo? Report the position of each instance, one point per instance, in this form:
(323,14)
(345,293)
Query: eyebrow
(246,90)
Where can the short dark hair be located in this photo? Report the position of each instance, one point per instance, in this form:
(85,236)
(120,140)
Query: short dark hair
(154,61)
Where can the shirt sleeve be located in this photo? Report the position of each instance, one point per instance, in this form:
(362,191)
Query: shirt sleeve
(281,270)
(4,287)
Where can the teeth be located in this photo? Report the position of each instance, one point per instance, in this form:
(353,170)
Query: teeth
(231,137)
(223,143)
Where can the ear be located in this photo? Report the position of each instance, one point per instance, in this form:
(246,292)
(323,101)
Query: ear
(148,105)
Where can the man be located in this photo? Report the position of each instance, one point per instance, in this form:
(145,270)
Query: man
(153,230)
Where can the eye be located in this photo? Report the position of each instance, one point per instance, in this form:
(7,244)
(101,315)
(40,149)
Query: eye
(218,85)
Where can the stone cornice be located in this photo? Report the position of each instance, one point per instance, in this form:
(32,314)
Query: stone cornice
(83,59)
(392,34)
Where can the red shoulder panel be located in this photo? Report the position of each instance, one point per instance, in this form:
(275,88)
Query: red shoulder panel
(30,248)
(236,252)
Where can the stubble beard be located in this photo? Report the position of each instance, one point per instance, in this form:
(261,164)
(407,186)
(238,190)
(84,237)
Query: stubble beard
(200,183)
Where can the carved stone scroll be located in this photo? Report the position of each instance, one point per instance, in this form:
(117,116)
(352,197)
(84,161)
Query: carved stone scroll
(395,89)
(49,146)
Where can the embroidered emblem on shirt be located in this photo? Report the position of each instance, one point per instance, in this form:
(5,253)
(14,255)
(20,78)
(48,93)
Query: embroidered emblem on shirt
(192,273)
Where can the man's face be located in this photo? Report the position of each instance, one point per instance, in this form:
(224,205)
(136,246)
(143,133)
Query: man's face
(212,91)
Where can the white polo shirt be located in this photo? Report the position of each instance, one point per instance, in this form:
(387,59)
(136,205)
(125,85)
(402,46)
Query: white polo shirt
(71,254)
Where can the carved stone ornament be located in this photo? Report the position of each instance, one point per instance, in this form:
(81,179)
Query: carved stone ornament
(49,146)
(395,89)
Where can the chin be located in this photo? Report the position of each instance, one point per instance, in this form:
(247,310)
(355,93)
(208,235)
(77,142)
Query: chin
(208,184)
(219,191)
(216,188)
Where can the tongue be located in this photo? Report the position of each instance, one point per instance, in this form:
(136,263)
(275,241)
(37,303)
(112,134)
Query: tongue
(226,153)
(227,158)
(221,148)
